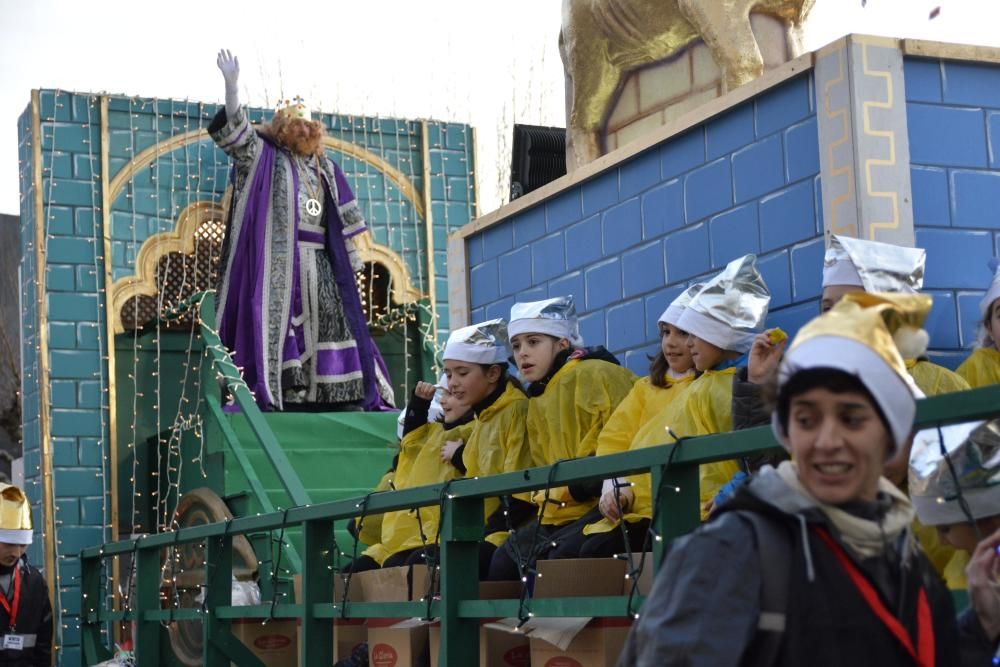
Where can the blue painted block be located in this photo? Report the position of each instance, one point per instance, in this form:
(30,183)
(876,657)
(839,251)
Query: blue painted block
(801,150)
(68,511)
(807,269)
(683,153)
(62,250)
(787,217)
(74,364)
(484,283)
(942,322)
(497,240)
(88,394)
(72,482)
(62,336)
(656,303)
(75,539)
(90,451)
(643,269)
(499,308)
(604,283)
(637,361)
(626,325)
(478,315)
(729,131)
(70,192)
(534,294)
(662,209)
(971,84)
(708,190)
(969,317)
(548,258)
(687,253)
(818,198)
(529,225)
(783,105)
(639,173)
(975,198)
(734,234)
(474,253)
(63,394)
(993,138)
(600,192)
(64,452)
(592,329)
(86,278)
(758,169)
(515,270)
(792,318)
(60,278)
(950,360)
(569,284)
(930,197)
(584,242)
(946,136)
(564,210)
(922,80)
(775,270)
(622,226)
(87,336)
(92,511)
(950,253)
(72,307)
(84,166)
(60,221)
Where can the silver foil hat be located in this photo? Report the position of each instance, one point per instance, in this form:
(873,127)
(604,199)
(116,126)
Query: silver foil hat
(993,293)
(731,308)
(483,343)
(554,317)
(974,450)
(672,314)
(880,267)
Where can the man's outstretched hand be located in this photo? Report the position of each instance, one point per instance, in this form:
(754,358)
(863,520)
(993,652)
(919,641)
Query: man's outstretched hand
(229,65)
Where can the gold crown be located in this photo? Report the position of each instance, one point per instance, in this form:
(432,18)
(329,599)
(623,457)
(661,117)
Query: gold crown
(15,511)
(295,108)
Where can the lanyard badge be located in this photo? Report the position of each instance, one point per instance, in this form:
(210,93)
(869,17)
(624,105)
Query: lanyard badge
(11,606)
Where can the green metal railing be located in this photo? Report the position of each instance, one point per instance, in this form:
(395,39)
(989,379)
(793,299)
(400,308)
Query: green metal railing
(674,470)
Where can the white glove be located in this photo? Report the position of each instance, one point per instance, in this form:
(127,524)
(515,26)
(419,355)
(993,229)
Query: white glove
(229,65)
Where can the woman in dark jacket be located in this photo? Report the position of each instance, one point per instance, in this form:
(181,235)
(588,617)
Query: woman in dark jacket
(813,563)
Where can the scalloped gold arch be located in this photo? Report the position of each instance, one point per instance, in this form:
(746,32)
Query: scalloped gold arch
(181,239)
(146,157)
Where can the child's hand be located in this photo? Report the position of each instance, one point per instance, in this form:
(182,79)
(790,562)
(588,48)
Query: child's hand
(608,506)
(448,450)
(765,355)
(424,390)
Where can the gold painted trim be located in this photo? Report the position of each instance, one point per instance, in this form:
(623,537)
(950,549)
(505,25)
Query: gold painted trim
(425,149)
(109,342)
(44,399)
(888,135)
(927,49)
(147,156)
(838,50)
(181,239)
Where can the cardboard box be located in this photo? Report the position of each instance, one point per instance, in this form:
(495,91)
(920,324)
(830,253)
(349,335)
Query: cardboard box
(394,643)
(275,643)
(393,584)
(497,648)
(348,633)
(597,645)
(645,577)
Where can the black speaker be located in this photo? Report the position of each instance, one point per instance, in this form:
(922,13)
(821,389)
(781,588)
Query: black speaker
(539,157)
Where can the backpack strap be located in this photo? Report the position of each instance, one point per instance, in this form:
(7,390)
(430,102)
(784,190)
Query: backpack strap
(774,549)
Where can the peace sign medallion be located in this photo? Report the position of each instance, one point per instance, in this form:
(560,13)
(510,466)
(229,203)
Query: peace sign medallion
(313,207)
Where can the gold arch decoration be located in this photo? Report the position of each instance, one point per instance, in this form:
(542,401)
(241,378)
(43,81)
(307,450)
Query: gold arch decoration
(147,156)
(183,238)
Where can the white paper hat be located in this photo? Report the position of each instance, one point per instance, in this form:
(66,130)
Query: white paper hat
(672,314)
(974,469)
(554,317)
(731,308)
(483,343)
(873,266)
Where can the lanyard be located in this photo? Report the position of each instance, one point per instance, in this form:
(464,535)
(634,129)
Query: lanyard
(11,606)
(923,654)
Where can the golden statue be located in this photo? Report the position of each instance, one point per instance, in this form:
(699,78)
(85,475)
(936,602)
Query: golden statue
(603,40)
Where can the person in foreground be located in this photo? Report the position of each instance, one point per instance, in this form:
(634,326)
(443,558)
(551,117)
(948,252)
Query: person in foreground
(813,563)
(25,610)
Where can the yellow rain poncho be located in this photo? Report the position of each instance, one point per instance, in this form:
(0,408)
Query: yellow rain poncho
(981,368)
(566,420)
(499,443)
(643,404)
(419,464)
(705,407)
(371,527)
(935,380)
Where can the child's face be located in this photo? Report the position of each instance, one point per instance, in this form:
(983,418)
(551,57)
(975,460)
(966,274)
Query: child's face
(535,352)
(452,407)
(11,553)
(704,355)
(469,382)
(673,344)
(993,322)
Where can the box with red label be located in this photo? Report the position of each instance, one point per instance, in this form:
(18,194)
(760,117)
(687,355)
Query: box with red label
(599,644)
(497,647)
(394,642)
(276,642)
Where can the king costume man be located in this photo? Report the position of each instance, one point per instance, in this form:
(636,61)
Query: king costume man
(288,302)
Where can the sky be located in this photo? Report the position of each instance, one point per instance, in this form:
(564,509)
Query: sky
(486,63)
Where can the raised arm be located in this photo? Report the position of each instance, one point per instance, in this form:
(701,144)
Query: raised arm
(229,65)
(230,129)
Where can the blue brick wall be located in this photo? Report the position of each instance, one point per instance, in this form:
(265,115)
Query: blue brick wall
(953,113)
(627,241)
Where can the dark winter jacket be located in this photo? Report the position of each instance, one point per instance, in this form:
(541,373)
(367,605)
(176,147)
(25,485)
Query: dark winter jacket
(705,606)
(750,410)
(34,621)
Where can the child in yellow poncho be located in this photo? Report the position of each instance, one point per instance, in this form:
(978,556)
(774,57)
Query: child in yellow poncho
(983,365)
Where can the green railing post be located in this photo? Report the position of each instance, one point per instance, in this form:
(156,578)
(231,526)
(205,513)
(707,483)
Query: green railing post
(218,593)
(147,598)
(679,508)
(317,588)
(93,647)
(462,531)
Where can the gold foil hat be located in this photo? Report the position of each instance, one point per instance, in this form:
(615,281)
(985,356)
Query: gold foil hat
(861,336)
(874,266)
(15,515)
(731,308)
(672,314)
(974,450)
(295,108)
(483,343)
